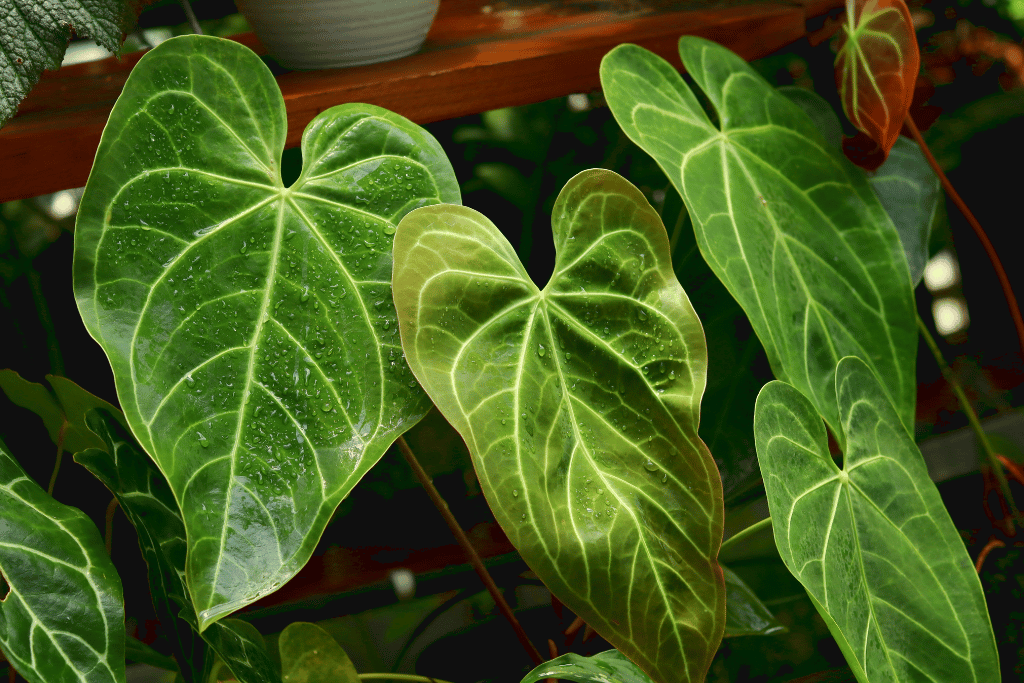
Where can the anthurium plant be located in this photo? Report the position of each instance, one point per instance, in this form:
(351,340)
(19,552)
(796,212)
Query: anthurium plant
(269,342)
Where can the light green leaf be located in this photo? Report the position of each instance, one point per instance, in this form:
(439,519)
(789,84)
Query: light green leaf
(912,196)
(800,240)
(580,404)
(62,409)
(610,666)
(310,655)
(872,543)
(745,614)
(35,33)
(147,501)
(249,325)
(63,619)
(820,112)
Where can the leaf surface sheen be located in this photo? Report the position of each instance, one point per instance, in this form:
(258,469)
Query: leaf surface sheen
(146,499)
(63,618)
(250,326)
(610,666)
(800,240)
(580,405)
(877,67)
(872,543)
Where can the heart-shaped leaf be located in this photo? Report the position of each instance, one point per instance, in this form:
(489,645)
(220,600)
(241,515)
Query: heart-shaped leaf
(799,239)
(580,404)
(63,618)
(249,325)
(310,655)
(877,66)
(872,542)
(610,666)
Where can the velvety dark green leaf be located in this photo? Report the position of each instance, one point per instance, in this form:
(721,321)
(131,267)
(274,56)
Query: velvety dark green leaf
(579,404)
(800,240)
(820,112)
(310,655)
(149,504)
(912,196)
(249,325)
(137,651)
(242,649)
(905,184)
(745,614)
(147,501)
(35,33)
(606,667)
(872,542)
(63,619)
(62,409)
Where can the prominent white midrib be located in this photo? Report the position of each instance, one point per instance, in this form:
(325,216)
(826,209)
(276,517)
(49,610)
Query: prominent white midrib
(273,260)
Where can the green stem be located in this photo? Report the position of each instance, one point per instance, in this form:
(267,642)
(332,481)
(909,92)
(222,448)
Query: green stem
(972,417)
(399,677)
(741,535)
(60,454)
(467,547)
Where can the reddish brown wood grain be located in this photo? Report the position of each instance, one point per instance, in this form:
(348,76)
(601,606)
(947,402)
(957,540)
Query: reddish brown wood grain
(478,56)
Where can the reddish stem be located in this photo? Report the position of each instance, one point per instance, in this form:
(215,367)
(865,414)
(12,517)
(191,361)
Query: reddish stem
(990,250)
(992,544)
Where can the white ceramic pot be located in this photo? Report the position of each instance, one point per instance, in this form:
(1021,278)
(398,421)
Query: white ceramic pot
(328,34)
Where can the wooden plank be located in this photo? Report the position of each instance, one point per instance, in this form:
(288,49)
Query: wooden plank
(478,56)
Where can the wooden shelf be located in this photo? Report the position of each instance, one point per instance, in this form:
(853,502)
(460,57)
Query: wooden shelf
(478,56)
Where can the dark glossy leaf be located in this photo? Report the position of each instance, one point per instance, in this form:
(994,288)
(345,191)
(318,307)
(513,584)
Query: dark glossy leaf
(745,614)
(242,649)
(785,222)
(137,651)
(35,33)
(62,409)
(872,542)
(912,196)
(249,325)
(877,66)
(579,404)
(149,504)
(606,667)
(310,655)
(147,501)
(63,619)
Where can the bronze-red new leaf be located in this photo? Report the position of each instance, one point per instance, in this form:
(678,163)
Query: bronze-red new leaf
(877,66)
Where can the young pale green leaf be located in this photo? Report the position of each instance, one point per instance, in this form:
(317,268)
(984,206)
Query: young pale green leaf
(310,655)
(610,666)
(35,33)
(63,410)
(249,325)
(872,543)
(147,501)
(800,241)
(580,404)
(877,66)
(63,618)
(745,614)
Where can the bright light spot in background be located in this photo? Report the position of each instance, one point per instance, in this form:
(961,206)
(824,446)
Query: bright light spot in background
(155,36)
(950,315)
(80,51)
(941,272)
(63,204)
(579,102)
(404,583)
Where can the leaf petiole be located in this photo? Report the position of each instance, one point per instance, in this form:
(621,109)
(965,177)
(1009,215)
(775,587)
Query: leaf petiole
(745,533)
